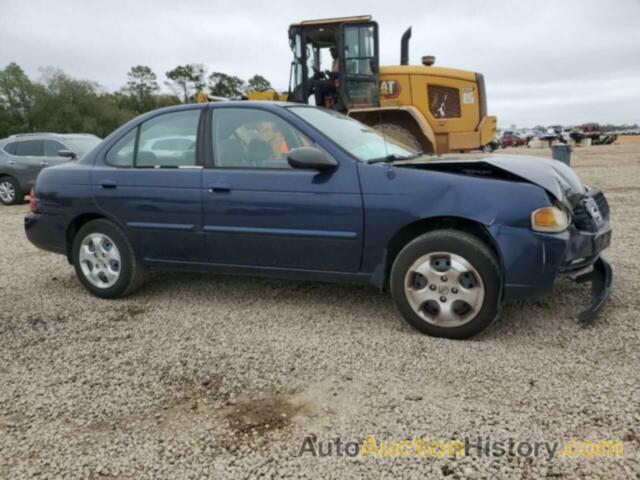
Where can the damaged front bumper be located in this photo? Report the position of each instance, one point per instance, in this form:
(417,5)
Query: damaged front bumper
(584,249)
(601,278)
(534,261)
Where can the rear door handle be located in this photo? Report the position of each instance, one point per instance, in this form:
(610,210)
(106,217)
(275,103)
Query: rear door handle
(220,187)
(11,162)
(108,184)
(44,164)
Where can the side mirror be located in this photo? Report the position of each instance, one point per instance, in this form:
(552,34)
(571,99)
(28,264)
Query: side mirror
(66,154)
(311,158)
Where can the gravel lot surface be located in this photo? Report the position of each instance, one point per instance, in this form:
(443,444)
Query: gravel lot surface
(221,377)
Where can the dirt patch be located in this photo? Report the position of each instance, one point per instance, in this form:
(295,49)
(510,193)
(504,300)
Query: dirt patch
(264,415)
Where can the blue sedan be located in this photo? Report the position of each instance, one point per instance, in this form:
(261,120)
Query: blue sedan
(298,192)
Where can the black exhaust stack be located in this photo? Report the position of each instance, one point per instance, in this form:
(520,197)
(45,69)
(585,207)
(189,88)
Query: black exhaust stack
(404,47)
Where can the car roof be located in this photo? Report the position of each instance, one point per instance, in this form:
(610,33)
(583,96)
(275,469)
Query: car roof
(48,135)
(264,105)
(255,103)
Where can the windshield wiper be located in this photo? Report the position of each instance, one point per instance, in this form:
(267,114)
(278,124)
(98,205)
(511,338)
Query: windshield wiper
(395,158)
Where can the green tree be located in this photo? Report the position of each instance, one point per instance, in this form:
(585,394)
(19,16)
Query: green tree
(142,85)
(16,98)
(5,122)
(258,83)
(186,80)
(223,85)
(64,104)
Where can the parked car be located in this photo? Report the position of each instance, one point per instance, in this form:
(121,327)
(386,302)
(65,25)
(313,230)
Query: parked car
(511,139)
(527,134)
(23,156)
(298,192)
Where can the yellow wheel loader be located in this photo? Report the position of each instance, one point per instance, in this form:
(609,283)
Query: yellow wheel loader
(436,110)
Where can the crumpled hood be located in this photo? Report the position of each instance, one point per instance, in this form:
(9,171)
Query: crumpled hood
(555,177)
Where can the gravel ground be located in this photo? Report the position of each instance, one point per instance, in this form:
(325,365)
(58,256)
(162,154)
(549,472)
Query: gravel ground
(202,376)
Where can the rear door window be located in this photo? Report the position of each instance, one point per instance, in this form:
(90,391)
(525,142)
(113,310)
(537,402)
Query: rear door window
(30,148)
(168,140)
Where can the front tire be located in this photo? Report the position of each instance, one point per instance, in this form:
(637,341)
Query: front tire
(104,260)
(447,283)
(10,191)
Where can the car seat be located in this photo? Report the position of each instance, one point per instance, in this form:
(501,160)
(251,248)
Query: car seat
(259,152)
(231,153)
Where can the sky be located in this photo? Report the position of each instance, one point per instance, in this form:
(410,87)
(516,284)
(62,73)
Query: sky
(545,62)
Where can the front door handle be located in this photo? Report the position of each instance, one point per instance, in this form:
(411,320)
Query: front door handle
(220,187)
(43,163)
(11,162)
(108,184)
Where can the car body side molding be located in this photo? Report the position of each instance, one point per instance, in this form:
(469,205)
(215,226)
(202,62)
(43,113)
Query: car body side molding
(162,226)
(282,231)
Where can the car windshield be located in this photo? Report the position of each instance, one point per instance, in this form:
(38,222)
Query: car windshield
(81,145)
(363,142)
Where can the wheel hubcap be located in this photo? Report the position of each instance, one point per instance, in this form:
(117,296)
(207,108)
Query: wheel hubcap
(444,289)
(100,260)
(7,192)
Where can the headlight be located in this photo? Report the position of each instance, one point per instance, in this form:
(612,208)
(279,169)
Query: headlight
(550,220)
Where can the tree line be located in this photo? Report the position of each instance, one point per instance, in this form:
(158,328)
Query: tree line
(59,103)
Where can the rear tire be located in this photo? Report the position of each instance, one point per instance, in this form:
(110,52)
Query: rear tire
(399,134)
(447,283)
(108,268)
(10,191)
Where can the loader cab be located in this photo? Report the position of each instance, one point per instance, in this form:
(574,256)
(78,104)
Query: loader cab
(354,84)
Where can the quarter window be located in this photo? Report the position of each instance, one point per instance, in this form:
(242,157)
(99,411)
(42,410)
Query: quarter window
(30,148)
(250,138)
(10,148)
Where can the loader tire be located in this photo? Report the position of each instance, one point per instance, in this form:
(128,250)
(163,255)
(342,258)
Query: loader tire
(400,134)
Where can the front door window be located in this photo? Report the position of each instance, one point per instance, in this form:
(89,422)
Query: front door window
(249,138)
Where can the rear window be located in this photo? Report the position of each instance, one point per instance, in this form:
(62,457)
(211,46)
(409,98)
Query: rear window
(30,148)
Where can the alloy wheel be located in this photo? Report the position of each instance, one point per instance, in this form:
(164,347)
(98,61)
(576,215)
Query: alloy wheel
(7,192)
